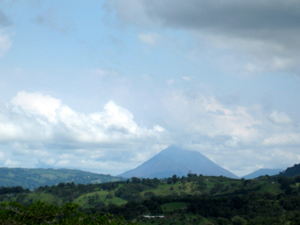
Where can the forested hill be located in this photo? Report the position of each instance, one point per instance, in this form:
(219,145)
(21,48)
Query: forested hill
(291,171)
(194,199)
(34,178)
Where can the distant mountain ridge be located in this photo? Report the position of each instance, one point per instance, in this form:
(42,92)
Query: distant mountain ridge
(175,160)
(33,178)
(262,172)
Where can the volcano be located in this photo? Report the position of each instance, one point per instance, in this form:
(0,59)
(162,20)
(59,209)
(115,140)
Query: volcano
(175,160)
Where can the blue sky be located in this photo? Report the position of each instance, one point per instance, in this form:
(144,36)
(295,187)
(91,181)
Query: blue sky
(103,86)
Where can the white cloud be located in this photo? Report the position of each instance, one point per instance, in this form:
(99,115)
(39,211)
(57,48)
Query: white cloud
(41,130)
(280,118)
(283,140)
(115,117)
(38,117)
(38,104)
(159,128)
(206,116)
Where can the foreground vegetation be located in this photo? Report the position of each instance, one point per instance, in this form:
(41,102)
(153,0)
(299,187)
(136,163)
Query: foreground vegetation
(44,213)
(194,199)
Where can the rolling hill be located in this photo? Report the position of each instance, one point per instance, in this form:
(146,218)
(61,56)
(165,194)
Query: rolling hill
(34,178)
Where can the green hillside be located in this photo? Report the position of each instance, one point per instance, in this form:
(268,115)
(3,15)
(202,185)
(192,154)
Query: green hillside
(291,171)
(34,178)
(180,200)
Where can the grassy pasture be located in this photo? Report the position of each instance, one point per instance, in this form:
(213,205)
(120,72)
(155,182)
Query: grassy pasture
(98,196)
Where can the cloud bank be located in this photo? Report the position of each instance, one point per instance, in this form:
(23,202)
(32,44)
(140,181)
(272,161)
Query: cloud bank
(33,123)
(263,35)
(38,130)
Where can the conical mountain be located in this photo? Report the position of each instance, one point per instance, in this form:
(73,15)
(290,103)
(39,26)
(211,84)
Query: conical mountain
(175,160)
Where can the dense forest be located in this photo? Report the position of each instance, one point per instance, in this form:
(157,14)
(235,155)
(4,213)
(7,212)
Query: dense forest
(191,199)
